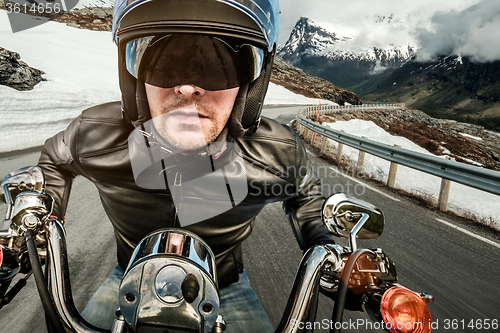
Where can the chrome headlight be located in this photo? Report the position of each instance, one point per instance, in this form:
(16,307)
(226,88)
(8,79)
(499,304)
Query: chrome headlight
(170,284)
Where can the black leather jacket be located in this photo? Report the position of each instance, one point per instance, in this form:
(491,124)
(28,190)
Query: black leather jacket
(95,145)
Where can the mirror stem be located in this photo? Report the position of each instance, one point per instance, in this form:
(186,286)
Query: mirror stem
(354,232)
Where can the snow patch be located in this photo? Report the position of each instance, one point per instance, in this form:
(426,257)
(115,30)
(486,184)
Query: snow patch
(471,136)
(483,205)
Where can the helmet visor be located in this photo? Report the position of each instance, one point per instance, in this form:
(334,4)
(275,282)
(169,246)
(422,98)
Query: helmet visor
(209,62)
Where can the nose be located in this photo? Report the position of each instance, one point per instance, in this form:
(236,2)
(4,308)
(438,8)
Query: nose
(189,90)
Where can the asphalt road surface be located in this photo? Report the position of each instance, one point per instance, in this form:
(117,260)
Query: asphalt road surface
(461,271)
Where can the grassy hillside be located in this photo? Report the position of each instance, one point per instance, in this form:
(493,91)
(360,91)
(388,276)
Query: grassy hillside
(465,91)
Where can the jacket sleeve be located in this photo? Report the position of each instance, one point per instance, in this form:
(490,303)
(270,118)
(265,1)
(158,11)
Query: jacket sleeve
(303,210)
(57,163)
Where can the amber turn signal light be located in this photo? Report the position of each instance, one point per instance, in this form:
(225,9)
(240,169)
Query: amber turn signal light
(404,311)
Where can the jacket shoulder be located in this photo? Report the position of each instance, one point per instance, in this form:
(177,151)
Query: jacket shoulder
(273,145)
(100,129)
(111,112)
(271,129)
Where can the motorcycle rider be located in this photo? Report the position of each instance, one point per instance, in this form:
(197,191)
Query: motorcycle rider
(193,77)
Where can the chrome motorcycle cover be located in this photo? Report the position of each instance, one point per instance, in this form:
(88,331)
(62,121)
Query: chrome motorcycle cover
(170,284)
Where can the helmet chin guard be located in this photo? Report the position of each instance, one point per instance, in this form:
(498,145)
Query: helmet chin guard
(252,21)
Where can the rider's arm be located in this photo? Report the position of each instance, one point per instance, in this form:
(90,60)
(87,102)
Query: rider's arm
(56,163)
(304,208)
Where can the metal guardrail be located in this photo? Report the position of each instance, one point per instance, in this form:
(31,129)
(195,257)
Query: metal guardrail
(328,109)
(473,176)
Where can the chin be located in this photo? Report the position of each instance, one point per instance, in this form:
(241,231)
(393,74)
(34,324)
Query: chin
(190,145)
(188,141)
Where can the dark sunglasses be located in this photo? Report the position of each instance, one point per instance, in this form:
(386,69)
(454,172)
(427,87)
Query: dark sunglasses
(209,62)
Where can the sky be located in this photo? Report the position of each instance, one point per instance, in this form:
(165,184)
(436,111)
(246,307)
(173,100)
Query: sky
(466,27)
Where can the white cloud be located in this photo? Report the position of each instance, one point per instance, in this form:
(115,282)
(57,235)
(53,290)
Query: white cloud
(427,23)
(470,32)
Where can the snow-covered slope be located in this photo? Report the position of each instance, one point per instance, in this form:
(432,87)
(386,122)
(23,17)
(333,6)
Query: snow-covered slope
(483,206)
(95,3)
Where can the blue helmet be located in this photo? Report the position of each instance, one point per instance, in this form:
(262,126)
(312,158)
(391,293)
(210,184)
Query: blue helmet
(152,34)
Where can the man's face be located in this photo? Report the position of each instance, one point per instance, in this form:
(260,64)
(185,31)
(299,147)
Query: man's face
(189,117)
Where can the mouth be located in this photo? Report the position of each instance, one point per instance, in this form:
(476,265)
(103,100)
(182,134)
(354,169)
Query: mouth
(188,116)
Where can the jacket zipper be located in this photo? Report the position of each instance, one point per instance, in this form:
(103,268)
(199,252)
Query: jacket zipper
(176,192)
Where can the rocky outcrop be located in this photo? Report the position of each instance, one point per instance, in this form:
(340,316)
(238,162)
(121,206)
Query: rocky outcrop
(17,74)
(294,79)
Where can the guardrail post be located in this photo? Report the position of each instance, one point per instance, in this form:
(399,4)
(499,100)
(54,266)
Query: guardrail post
(444,192)
(361,161)
(391,180)
(324,144)
(340,147)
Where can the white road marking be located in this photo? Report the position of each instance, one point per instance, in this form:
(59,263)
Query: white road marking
(365,185)
(469,233)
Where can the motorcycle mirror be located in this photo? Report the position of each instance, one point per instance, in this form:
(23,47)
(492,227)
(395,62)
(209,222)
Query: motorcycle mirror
(349,217)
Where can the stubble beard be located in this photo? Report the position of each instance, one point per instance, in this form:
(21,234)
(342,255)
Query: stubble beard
(186,136)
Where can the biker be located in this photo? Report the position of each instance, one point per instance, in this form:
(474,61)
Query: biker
(193,77)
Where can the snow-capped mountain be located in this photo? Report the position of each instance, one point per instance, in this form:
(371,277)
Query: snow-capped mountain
(307,39)
(330,55)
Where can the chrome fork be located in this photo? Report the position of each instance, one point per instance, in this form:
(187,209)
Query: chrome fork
(300,306)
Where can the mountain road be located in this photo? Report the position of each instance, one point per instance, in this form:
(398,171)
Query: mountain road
(461,271)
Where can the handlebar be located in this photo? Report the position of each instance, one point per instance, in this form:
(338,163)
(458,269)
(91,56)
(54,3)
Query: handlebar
(298,307)
(59,283)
